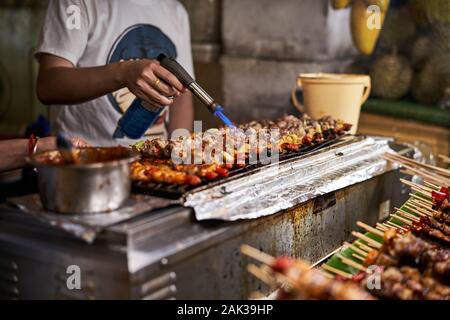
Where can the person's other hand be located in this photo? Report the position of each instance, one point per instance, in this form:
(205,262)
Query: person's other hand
(151,82)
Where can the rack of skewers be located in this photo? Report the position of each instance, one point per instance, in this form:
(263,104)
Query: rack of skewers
(406,257)
(232,152)
(296,280)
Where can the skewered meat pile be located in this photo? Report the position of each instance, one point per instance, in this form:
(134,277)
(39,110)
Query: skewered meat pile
(407,283)
(302,282)
(441,205)
(398,250)
(407,256)
(203,157)
(410,251)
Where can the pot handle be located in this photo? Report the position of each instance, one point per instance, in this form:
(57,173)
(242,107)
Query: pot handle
(297,104)
(367,89)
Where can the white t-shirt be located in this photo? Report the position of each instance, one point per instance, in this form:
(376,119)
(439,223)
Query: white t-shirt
(97,32)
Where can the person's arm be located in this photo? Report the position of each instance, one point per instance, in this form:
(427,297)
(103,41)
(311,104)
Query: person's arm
(14,152)
(182,113)
(60,82)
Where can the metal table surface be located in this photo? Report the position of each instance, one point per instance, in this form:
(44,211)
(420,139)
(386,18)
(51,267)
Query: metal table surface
(168,254)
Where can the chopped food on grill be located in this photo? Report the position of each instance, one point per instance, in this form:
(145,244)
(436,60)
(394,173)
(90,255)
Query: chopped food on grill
(211,155)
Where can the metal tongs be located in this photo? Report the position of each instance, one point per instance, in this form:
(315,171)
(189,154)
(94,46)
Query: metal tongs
(184,77)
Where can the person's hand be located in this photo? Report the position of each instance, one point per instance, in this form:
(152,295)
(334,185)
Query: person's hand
(79,142)
(149,81)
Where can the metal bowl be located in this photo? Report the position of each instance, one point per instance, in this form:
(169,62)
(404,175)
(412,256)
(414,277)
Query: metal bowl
(100,182)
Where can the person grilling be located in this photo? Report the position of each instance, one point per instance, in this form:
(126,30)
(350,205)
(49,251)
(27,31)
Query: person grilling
(97,57)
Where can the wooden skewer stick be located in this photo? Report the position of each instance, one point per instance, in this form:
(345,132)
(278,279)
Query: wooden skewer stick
(281,278)
(417,186)
(444,158)
(370,229)
(261,275)
(390,225)
(429,184)
(422,192)
(427,175)
(403,159)
(357,256)
(421,199)
(396,226)
(416,202)
(411,173)
(356,249)
(407,215)
(366,239)
(257,295)
(352,263)
(406,221)
(257,255)
(381,227)
(424,206)
(363,246)
(325,273)
(418,211)
(337,271)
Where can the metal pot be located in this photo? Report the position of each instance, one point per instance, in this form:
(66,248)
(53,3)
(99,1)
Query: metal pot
(99,183)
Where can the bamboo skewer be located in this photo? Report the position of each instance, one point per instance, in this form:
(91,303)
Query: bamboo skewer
(366,239)
(411,211)
(352,263)
(356,249)
(429,184)
(257,255)
(364,247)
(419,205)
(415,173)
(407,215)
(444,158)
(337,271)
(406,221)
(325,273)
(370,229)
(357,256)
(396,226)
(426,175)
(422,205)
(389,224)
(417,186)
(382,227)
(418,211)
(421,199)
(403,160)
(260,274)
(257,295)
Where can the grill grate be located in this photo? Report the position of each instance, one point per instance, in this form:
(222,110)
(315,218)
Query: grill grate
(177,192)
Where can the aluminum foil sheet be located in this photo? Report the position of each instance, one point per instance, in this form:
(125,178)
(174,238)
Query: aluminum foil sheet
(284,185)
(87,226)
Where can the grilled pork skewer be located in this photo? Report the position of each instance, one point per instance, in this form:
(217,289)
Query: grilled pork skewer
(303,282)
